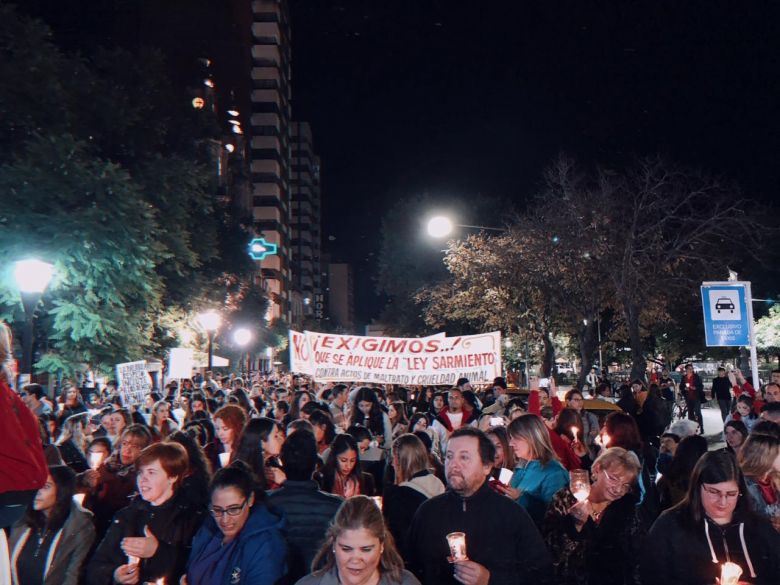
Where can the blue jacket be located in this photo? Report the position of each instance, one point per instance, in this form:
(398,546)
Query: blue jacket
(259,555)
(538,484)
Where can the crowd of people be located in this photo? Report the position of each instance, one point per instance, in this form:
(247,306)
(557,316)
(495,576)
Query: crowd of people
(278,479)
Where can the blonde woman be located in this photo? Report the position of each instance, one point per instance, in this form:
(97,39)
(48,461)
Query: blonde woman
(72,442)
(538,473)
(358,549)
(759,460)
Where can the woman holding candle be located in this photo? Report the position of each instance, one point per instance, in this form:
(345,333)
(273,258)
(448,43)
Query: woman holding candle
(539,474)
(505,456)
(150,538)
(593,536)
(358,550)
(712,525)
(242,541)
(51,541)
(341,474)
(567,440)
(367,411)
(229,422)
(263,437)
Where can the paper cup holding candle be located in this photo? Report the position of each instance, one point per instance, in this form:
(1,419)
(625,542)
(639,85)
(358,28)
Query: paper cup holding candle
(79,499)
(457,543)
(131,560)
(730,574)
(224,459)
(579,483)
(95,459)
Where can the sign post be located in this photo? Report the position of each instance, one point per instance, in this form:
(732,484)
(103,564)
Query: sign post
(728,318)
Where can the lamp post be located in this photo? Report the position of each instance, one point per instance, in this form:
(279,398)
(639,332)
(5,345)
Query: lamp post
(441,226)
(242,336)
(32,277)
(210,321)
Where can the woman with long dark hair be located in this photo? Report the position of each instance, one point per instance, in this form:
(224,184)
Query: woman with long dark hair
(324,430)
(341,474)
(713,525)
(195,485)
(50,543)
(673,485)
(367,411)
(259,447)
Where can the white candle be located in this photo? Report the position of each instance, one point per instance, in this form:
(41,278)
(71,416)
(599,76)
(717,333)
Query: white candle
(730,574)
(224,459)
(95,459)
(377,501)
(581,494)
(574,431)
(79,499)
(457,542)
(131,560)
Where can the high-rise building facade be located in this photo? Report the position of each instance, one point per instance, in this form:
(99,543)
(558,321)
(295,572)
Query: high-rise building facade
(270,147)
(306,213)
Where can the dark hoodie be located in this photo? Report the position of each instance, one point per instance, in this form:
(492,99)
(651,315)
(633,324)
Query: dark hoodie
(258,555)
(676,554)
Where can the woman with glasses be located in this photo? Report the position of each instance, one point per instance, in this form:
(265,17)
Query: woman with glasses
(242,541)
(595,541)
(713,525)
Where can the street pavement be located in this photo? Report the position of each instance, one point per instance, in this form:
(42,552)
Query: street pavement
(713,427)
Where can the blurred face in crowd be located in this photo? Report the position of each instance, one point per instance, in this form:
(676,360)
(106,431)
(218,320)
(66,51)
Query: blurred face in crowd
(149,402)
(455,400)
(576,402)
(46,497)
(522,448)
(364,406)
(163,411)
(544,397)
(420,425)
(273,445)
(108,423)
(772,393)
(224,433)
(668,445)
(129,449)
(611,484)
(463,467)
(719,500)
(438,403)
(721,373)
(743,409)
(118,423)
(392,413)
(346,461)
(304,398)
(358,553)
(198,405)
(230,510)
(154,484)
(72,395)
(775,378)
(734,438)
(498,460)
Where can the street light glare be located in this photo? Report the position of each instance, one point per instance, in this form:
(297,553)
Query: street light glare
(33,276)
(242,336)
(210,320)
(439,226)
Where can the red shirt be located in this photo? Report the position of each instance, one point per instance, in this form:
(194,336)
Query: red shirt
(21,452)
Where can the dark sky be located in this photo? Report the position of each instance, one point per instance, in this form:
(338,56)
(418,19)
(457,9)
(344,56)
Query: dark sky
(477,97)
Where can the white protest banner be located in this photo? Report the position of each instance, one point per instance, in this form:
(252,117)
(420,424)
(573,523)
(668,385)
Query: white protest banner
(436,360)
(180,362)
(134,382)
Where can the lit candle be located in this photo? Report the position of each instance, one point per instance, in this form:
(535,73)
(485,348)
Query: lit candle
(160,581)
(581,494)
(730,574)
(95,459)
(224,459)
(377,501)
(131,560)
(457,542)
(574,431)
(605,440)
(79,499)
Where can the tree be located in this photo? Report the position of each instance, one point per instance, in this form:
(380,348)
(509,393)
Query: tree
(767,331)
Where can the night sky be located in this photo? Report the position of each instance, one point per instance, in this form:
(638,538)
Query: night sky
(475,98)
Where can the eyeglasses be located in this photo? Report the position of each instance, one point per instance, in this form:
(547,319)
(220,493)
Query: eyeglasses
(230,510)
(615,483)
(714,494)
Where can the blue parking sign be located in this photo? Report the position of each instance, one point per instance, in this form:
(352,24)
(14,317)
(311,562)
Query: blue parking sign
(727,314)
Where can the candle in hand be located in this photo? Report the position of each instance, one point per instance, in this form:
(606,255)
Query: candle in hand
(457,542)
(730,574)
(574,431)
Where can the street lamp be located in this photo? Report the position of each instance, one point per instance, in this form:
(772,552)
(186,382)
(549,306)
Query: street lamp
(32,277)
(242,336)
(441,226)
(210,321)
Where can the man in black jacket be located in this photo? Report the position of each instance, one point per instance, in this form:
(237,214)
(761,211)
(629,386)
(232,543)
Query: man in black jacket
(502,543)
(308,510)
(721,391)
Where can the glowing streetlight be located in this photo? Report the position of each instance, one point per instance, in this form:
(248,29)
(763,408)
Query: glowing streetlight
(242,336)
(210,321)
(439,227)
(508,343)
(32,276)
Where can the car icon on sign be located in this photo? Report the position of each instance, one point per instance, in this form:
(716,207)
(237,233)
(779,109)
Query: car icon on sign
(724,304)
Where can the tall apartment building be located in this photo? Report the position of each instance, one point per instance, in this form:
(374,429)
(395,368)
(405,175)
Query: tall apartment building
(341,297)
(306,229)
(270,147)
